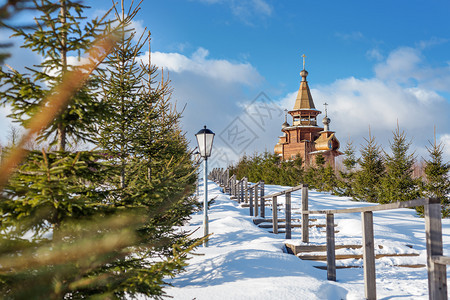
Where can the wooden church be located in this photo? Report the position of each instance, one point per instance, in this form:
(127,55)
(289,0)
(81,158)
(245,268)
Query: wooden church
(304,137)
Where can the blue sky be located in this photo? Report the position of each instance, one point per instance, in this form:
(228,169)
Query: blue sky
(374,63)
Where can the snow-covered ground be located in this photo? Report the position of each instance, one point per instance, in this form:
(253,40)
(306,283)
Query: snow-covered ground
(243,261)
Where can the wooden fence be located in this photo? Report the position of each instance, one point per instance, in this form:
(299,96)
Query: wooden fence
(436,261)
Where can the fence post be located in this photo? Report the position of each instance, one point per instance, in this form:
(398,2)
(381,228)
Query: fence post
(305,216)
(256,200)
(238,191)
(437,273)
(251,202)
(233,184)
(262,203)
(288,215)
(227,175)
(274,215)
(246,190)
(370,287)
(331,254)
(241,194)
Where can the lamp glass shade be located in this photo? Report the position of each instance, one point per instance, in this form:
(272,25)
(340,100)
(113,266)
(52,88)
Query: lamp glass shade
(205,139)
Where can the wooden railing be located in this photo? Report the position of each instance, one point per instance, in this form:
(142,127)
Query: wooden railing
(240,190)
(287,206)
(436,261)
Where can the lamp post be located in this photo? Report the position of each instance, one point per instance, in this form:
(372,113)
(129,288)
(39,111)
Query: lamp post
(197,161)
(205,139)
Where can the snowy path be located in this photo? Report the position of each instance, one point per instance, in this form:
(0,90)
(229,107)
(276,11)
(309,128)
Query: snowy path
(243,261)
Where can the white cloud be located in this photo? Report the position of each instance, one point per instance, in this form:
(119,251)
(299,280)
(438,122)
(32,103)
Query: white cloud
(445,140)
(375,54)
(406,66)
(431,42)
(263,7)
(139,29)
(210,88)
(400,66)
(200,64)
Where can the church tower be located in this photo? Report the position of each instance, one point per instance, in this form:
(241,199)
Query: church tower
(304,137)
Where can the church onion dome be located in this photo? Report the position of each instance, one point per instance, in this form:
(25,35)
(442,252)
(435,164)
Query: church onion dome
(326,121)
(327,143)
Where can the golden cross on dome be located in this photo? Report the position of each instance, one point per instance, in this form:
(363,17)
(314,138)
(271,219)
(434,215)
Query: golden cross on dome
(325,104)
(304,56)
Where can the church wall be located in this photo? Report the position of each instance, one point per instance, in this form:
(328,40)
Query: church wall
(292,149)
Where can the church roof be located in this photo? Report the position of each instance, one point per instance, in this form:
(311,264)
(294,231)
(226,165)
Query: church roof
(304,99)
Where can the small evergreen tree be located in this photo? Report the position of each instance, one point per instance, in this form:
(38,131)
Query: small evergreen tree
(58,35)
(329,179)
(437,182)
(346,181)
(310,177)
(367,180)
(320,160)
(100,223)
(320,172)
(398,184)
(268,167)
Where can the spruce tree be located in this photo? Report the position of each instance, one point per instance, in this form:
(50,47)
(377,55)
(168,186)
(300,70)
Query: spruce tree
(367,179)
(437,182)
(398,184)
(311,178)
(57,35)
(8,11)
(346,181)
(320,172)
(329,180)
(94,236)
(149,153)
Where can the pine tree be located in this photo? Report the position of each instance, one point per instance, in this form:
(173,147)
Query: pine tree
(329,180)
(437,182)
(9,10)
(398,184)
(367,180)
(149,153)
(58,34)
(311,178)
(93,235)
(49,189)
(320,172)
(346,181)
(320,160)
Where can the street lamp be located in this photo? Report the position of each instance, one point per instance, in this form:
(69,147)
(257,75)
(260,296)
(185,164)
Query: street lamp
(197,162)
(205,139)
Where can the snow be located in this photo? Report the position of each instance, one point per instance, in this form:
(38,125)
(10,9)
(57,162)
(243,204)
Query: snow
(243,261)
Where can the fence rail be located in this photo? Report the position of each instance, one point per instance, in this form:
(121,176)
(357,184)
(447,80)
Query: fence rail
(436,261)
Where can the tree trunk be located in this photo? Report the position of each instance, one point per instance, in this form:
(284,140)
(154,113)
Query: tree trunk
(61,137)
(61,127)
